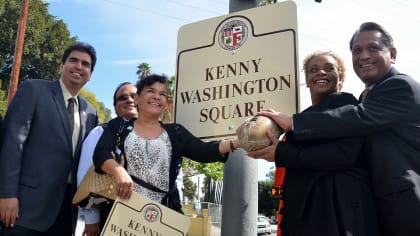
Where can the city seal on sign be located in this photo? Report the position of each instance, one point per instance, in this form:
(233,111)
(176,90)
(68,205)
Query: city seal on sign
(151,213)
(233,34)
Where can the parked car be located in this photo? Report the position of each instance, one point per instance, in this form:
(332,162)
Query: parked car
(273,221)
(263,226)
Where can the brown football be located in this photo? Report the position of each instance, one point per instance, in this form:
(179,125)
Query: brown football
(252,134)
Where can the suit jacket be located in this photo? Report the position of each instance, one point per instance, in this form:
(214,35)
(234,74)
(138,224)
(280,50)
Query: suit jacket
(390,116)
(326,189)
(36,157)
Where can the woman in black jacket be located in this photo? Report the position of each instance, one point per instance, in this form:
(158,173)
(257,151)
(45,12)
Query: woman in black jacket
(326,188)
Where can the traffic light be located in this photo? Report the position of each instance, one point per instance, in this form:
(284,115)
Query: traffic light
(275,191)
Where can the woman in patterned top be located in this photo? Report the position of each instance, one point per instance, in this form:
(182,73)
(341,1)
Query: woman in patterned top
(153,150)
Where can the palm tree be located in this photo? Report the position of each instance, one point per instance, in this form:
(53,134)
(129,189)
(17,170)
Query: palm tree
(143,70)
(171,85)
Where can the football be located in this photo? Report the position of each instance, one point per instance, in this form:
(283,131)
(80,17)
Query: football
(252,134)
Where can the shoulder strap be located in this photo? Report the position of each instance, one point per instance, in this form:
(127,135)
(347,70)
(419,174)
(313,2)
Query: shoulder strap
(146,185)
(125,128)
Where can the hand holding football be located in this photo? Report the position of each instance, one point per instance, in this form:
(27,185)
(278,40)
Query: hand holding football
(252,134)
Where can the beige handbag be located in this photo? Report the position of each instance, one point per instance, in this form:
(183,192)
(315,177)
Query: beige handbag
(96,188)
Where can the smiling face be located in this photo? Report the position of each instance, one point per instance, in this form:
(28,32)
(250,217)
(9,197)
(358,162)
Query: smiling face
(371,58)
(322,76)
(76,71)
(124,102)
(153,99)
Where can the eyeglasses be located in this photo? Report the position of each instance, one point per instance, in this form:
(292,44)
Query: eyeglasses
(124,97)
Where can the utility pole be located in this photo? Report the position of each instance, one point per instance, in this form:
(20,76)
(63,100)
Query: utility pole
(240,181)
(17,58)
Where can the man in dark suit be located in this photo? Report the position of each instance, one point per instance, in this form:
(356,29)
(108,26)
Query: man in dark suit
(389,116)
(40,154)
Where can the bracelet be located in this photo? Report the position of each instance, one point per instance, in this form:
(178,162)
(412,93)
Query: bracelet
(232,148)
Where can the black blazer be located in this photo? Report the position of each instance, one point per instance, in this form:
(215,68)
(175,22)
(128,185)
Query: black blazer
(390,116)
(326,189)
(36,157)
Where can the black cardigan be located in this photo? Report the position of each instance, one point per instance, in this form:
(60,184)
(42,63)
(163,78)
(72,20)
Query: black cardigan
(183,144)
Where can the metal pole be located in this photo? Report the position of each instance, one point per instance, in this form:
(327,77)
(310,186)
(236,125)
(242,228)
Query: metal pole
(17,58)
(240,182)
(240,196)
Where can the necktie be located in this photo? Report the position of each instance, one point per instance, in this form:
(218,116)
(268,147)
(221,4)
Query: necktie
(364,94)
(70,110)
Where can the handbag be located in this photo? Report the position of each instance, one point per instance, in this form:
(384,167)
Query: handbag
(98,190)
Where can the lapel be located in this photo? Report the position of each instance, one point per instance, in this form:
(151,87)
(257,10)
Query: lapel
(62,111)
(391,73)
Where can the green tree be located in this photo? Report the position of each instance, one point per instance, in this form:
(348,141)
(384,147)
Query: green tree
(143,70)
(103,112)
(267,203)
(270,174)
(213,182)
(171,85)
(45,41)
(266,2)
(190,189)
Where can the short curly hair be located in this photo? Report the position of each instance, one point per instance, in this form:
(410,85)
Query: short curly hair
(341,68)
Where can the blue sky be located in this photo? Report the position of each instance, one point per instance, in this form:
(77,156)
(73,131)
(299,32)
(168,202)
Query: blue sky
(126,33)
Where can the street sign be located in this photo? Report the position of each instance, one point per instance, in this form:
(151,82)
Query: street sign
(231,67)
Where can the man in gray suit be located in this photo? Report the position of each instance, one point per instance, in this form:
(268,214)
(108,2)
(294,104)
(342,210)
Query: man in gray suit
(41,148)
(389,114)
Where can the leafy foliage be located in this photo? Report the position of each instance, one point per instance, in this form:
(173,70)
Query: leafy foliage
(189,189)
(266,2)
(213,170)
(143,70)
(45,41)
(103,112)
(268,204)
(46,38)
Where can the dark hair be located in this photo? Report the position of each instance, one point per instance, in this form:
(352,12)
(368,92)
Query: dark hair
(386,38)
(149,80)
(118,89)
(81,47)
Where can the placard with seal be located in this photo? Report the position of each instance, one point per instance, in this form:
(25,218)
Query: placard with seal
(142,216)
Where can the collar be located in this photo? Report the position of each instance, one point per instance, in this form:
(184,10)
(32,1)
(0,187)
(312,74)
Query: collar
(66,93)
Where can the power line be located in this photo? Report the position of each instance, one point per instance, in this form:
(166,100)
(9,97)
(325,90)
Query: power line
(147,11)
(194,7)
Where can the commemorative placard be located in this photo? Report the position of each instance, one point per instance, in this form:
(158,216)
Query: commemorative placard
(140,216)
(230,67)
